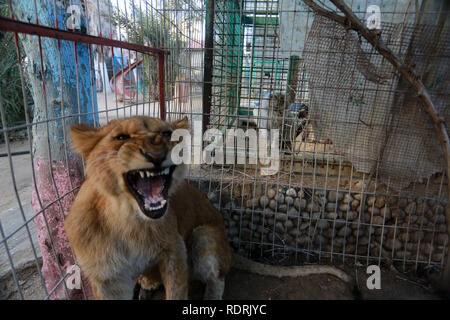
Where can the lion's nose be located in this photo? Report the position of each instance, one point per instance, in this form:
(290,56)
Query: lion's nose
(154,157)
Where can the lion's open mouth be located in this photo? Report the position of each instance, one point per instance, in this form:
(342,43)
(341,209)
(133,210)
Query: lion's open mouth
(150,188)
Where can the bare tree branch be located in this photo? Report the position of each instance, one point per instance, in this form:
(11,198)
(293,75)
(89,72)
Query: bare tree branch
(323,12)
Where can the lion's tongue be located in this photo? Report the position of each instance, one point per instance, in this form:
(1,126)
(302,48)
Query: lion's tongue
(151,189)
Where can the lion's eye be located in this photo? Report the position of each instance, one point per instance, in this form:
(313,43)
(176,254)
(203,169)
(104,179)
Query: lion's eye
(122,137)
(167,133)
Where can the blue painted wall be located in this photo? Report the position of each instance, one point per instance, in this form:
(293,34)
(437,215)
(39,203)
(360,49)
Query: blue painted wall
(77,102)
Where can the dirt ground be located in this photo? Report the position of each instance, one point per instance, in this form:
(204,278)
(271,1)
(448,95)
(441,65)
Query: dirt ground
(241,285)
(11,219)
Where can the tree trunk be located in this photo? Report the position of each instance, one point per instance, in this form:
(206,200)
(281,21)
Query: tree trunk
(61,86)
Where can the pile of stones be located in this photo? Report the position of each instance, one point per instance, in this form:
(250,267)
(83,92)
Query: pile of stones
(353,223)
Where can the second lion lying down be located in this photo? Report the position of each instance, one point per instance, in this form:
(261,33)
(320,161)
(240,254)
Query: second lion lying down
(135,215)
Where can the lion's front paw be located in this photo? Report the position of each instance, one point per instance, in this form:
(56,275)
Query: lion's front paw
(149,283)
(147,287)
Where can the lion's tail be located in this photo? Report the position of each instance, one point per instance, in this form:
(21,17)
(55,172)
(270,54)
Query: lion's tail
(241,263)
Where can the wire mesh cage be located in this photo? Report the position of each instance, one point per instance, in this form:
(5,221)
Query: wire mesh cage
(78,62)
(360,177)
(353,184)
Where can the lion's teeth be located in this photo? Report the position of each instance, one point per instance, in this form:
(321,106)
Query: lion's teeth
(163,203)
(148,174)
(146,206)
(166,171)
(142,174)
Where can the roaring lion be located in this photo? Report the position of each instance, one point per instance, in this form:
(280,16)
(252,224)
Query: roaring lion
(135,216)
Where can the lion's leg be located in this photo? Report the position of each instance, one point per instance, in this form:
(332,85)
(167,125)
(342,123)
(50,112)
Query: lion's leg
(174,271)
(211,259)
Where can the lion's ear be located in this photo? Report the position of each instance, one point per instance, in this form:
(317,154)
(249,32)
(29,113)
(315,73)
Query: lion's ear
(84,138)
(181,124)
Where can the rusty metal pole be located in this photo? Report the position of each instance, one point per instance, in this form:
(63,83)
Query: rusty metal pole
(162,110)
(208,62)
